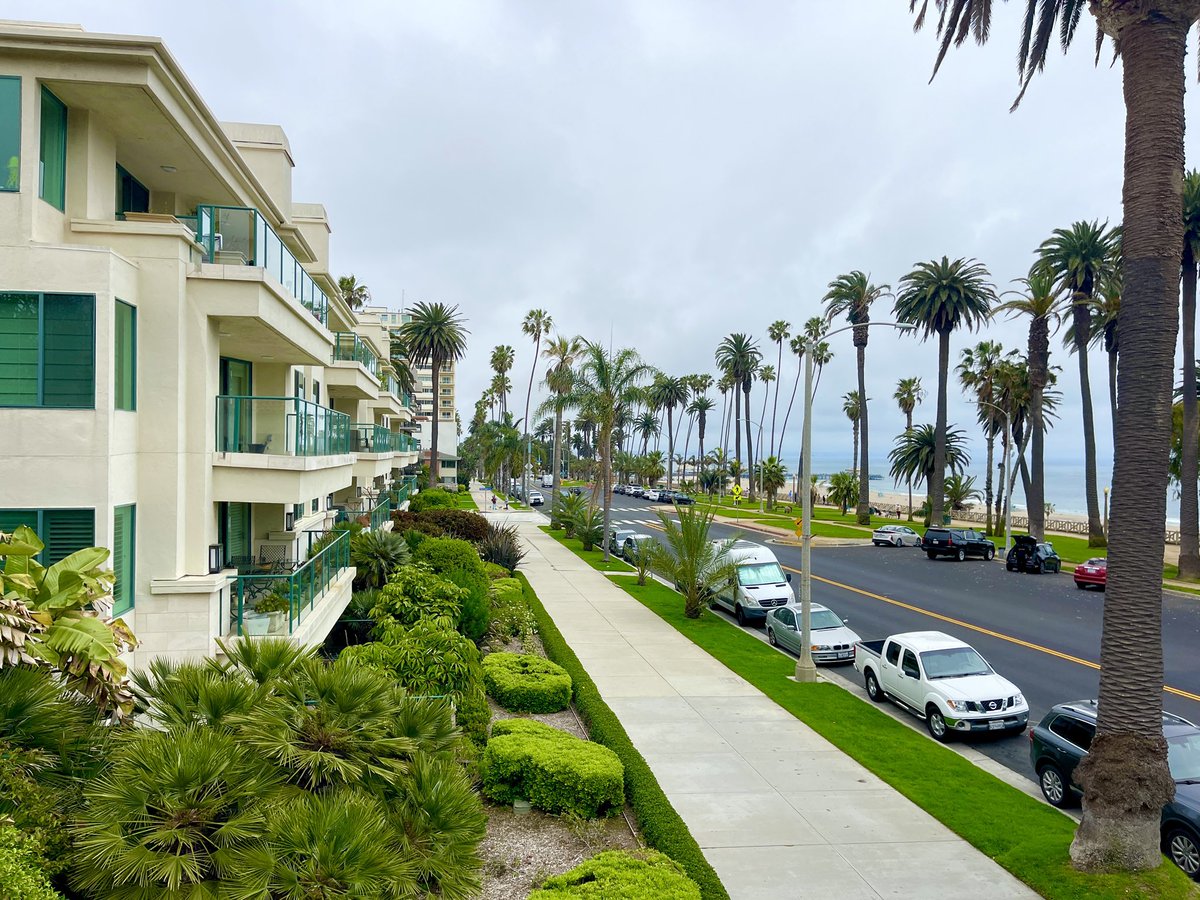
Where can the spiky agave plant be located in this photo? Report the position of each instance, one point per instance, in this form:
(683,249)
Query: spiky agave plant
(375,555)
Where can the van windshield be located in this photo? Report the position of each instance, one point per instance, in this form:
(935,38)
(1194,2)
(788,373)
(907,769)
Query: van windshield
(754,574)
(957,662)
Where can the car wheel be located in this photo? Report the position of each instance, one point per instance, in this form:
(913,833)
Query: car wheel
(931,554)
(739,615)
(961,554)
(989,554)
(771,637)
(936,723)
(1038,568)
(1080,585)
(877,543)
(1054,786)
(1184,850)
(899,542)
(874,691)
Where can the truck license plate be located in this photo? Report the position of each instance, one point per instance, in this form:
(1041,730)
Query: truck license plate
(995,726)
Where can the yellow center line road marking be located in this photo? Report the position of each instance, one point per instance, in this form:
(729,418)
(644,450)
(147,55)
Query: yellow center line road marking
(979,628)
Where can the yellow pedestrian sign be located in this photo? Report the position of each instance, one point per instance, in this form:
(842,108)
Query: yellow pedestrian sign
(799,528)
(737,494)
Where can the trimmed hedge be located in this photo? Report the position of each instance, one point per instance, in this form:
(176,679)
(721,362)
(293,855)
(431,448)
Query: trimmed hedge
(431,498)
(496,572)
(555,771)
(660,824)
(458,523)
(622,875)
(523,683)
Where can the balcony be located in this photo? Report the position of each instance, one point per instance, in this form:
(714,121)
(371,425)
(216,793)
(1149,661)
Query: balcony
(381,515)
(349,347)
(279,450)
(300,603)
(369,438)
(240,236)
(354,374)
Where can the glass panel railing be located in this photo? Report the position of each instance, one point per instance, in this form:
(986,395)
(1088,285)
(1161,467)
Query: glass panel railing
(349,347)
(284,426)
(240,236)
(369,438)
(381,514)
(276,603)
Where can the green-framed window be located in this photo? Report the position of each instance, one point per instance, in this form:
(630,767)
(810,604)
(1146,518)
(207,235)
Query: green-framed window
(63,531)
(48,350)
(10,133)
(132,195)
(125,356)
(53,182)
(123,557)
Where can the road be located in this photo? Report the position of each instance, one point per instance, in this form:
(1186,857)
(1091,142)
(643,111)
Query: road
(1039,631)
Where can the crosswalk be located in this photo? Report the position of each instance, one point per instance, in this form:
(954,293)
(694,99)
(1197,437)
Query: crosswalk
(632,522)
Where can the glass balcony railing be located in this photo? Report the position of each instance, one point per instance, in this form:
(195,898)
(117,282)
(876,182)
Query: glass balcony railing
(285,426)
(381,514)
(368,438)
(270,603)
(349,347)
(240,236)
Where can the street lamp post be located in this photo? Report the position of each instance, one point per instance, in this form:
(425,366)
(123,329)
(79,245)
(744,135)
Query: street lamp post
(806,669)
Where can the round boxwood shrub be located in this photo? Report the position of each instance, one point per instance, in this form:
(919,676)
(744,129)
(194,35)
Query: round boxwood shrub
(523,683)
(622,875)
(555,771)
(430,498)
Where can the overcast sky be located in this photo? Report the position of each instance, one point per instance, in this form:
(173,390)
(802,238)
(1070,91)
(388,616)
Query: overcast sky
(664,171)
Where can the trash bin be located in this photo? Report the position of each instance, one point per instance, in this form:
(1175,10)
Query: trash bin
(945,519)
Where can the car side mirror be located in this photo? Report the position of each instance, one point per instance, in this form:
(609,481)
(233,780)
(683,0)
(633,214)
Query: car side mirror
(789,577)
(845,621)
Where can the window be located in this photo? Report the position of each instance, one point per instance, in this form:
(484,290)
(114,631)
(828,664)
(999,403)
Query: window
(63,531)
(298,384)
(124,542)
(47,350)
(1073,731)
(786,618)
(125,357)
(10,133)
(316,504)
(132,195)
(910,665)
(53,181)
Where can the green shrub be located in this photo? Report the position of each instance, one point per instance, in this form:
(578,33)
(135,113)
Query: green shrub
(523,683)
(555,771)
(430,498)
(404,521)
(660,824)
(21,873)
(457,523)
(622,875)
(495,571)
(414,592)
(510,613)
(589,526)
(502,546)
(458,561)
(375,555)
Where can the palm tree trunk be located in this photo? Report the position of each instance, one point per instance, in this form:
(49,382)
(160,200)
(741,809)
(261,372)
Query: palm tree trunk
(700,439)
(686,444)
(537,347)
(606,482)
(787,415)
(1120,828)
(1003,465)
(749,439)
(670,449)
(937,489)
(854,450)
(557,471)
(863,516)
(908,427)
(987,491)
(1081,323)
(1189,505)
(775,405)
(737,426)
(435,364)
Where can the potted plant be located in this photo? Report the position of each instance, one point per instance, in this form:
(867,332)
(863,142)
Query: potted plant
(276,606)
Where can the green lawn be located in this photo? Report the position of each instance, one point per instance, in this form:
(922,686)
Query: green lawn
(465,501)
(594,558)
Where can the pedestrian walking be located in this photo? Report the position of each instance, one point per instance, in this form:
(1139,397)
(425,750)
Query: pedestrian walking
(493,502)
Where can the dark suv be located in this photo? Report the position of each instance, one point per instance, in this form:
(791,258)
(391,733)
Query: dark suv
(1062,739)
(1028,555)
(956,542)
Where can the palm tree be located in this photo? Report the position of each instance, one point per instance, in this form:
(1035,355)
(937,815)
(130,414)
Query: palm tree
(771,477)
(645,425)
(852,407)
(1039,301)
(977,372)
(843,489)
(960,490)
(852,295)
(766,375)
(537,323)
(502,361)
(605,383)
(434,335)
(915,456)
(724,385)
(797,345)
(700,407)
(501,386)
(356,295)
(1189,506)
(695,564)
(1081,258)
(698,385)
(667,393)
(740,356)
(778,331)
(938,297)
(909,394)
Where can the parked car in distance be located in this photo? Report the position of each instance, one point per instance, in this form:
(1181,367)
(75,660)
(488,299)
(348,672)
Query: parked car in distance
(758,585)
(616,538)
(895,536)
(1064,737)
(1030,555)
(942,680)
(618,488)
(651,494)
(633,543)
(635,490)
(536,498)
(831,640)
(958,543)
(1092,572)
(682,499)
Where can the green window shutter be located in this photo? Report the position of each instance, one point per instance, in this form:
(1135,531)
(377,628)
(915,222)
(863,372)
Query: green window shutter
(11,519)
(10,133)
(237,531)
(53,183)
(66,530)
(123,557)
(68,355)
(125,357)
(19,349)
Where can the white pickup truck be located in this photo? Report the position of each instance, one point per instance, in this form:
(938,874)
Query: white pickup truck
(941,680)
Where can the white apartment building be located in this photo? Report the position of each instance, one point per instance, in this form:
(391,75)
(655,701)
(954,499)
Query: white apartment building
(180,379)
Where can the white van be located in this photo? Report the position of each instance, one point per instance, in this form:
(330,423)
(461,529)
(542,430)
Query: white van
(548,481)
(761,584)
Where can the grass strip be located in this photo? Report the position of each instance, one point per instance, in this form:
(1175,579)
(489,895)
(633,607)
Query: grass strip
(660,824)
(594,558)
(464,500)
(1026,837)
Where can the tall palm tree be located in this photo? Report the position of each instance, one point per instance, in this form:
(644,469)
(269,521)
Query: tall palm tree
(908,395)
(851,296)
(977,370)
(797,345)
(852,407)
(1189,505)
(700,407)
(502,362)
(356,295)
(501,386)
(738,355)
(778,331)
(561,352)
(698,385)
(766,375)
(435,335)
(915,456)
(669,392)
(1081,257)
(536,324)
(1039,301)
(605,383)
(724,385)
(938,297)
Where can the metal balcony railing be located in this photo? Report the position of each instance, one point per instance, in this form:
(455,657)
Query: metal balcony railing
(285,426)
(349,347)
(271,603)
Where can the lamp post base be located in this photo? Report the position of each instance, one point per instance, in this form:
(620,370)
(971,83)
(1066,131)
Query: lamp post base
(806,671)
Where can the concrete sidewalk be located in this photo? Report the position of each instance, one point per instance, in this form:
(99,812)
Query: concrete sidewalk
(778,810)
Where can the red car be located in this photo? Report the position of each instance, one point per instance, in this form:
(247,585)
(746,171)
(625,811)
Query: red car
(1094,571)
